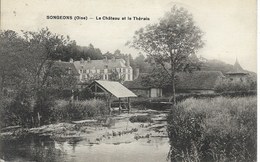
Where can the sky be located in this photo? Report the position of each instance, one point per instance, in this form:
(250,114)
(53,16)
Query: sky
(229,26)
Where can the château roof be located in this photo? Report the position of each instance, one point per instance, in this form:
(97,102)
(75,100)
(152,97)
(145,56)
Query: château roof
(100,64)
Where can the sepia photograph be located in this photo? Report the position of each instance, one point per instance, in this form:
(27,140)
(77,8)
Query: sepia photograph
(128,81)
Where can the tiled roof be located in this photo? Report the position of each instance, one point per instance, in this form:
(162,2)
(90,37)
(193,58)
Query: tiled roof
(198,80)
(137,83)
(66,66)
(100,64)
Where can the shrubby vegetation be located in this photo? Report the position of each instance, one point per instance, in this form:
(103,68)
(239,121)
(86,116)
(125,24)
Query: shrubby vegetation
(78,110)
(27,112)
(219,129)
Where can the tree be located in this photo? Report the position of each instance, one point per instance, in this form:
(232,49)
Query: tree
(11,54)
(39,70)
(156,78)
(42,47)
(141,63)
(172,43)
(114,76)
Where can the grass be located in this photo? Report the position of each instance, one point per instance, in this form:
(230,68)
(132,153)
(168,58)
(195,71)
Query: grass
(218,129)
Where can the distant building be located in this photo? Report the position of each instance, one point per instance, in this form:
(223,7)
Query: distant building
(238,74)
(104,69)
(141,90)
(66,67)
(197,81)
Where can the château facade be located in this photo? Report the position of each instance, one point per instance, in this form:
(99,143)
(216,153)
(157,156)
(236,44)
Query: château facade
(103,69)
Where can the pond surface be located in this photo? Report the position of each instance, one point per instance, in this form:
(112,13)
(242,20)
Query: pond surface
(35,148)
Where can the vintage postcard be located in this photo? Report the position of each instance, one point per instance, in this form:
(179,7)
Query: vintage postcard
(128,80)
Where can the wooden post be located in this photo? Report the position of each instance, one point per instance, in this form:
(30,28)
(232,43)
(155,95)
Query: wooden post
(109,104)
(95,91)
(128,104)
(119,105)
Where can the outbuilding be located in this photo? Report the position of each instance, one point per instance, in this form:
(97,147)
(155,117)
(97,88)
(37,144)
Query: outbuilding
(112,91)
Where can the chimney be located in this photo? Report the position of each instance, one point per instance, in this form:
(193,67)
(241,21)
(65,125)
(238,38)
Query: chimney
(128,61)
(89,59)
(81,60)
(136,73)
(71,60)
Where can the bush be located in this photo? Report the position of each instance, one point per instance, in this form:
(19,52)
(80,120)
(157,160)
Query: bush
(219,129)
(17,110)
(141,119)
(78,110)
(85,94)
(43,107)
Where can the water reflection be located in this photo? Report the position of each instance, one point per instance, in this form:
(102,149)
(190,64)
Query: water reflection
(33,148)
(30,148)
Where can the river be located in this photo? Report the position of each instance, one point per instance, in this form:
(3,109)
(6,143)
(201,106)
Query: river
(33,148)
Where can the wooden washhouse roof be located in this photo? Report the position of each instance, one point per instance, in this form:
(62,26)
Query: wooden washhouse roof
(114,88)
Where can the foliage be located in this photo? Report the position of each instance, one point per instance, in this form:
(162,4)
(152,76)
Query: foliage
(85,94)
(219,129)
(172,43)
(11,56)
(141,119)
(17,111)
(43,107)
(78,110)
(114,76)
(142,63)
(156,78)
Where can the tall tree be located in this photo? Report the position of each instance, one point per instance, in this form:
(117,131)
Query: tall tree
(172,43)
(42,47)
(11,54)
